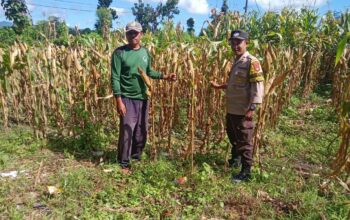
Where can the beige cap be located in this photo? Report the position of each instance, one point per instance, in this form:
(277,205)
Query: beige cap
(133,26)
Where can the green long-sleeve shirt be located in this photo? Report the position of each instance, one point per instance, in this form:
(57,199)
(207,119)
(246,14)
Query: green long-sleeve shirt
(125,78)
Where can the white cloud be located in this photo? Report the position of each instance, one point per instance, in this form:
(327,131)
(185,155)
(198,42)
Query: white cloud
(279,4)
(191,6)
(120,11)
(195,6)
(47,12)
(29,5)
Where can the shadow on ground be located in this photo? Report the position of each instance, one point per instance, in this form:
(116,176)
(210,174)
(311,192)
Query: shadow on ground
(71,146)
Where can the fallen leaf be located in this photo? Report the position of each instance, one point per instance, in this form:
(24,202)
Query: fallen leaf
(12,174)
(181,180)
(53,190)
(107,170)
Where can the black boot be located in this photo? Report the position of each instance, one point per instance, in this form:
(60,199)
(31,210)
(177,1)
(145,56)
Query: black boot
(243,176)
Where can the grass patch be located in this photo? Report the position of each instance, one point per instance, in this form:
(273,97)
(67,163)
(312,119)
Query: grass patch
(291,184)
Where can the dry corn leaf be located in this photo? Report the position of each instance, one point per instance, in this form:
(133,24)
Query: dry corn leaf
(53,190)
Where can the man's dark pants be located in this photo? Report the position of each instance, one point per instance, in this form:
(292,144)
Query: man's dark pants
(240,133)
(132,131)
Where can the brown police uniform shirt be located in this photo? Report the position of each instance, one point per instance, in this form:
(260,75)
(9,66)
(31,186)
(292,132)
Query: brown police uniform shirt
(245,85)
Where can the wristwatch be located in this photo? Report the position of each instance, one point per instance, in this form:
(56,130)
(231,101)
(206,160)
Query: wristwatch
(252,107)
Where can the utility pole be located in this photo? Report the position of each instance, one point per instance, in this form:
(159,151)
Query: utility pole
(246,7)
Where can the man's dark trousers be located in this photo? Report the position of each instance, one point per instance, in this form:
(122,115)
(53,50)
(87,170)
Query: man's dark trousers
(133,130)
(240,133)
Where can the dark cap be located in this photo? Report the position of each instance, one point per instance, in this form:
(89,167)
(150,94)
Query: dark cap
(239,34)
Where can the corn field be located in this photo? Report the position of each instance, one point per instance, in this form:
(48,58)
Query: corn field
(342,163)
(67,88)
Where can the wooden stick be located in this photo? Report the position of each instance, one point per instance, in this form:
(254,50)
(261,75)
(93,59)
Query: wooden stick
(37,176)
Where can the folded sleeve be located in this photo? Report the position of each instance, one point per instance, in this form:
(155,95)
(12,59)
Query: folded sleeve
(256,92)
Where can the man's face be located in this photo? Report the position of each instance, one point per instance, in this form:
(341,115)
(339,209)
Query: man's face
(133,37)
(238,46)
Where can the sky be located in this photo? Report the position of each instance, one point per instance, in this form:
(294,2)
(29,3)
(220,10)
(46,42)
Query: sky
(82,13)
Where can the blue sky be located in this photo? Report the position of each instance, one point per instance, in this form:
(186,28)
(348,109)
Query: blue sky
(82,12)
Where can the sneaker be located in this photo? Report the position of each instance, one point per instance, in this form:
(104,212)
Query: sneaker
(241,177)
(135,158)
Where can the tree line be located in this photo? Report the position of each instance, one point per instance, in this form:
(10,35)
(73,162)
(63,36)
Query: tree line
(54,28)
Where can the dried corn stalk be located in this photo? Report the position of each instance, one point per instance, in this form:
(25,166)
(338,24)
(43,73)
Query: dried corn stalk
(146,80)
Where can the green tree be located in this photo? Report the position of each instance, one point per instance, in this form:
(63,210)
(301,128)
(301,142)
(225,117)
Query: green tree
(224,7)
(104,21)
(62,30)
(145,14)
(105,16)
(7,36)
(169,10)
(53,28)
(43,27)
(86,31)
(62,34)
(106,4)
(150,17)
(16,11)
(53,23)
(190,26)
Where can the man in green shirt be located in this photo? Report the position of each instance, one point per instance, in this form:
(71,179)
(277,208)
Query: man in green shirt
(130,92)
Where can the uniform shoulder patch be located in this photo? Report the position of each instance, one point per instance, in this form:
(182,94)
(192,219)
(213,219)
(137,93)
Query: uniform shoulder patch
(256,66)
(255,71)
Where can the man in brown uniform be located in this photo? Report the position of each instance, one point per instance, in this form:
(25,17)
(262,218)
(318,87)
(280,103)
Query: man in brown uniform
(244,90)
